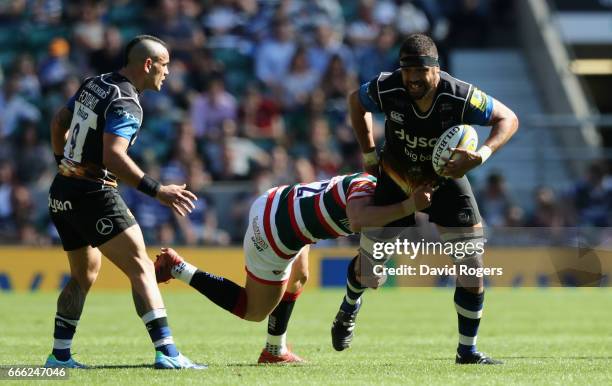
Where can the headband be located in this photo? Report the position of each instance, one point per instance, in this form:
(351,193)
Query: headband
(418,61)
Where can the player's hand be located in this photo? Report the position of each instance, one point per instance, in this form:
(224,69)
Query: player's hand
(461,162)
(177,197)
(422,196)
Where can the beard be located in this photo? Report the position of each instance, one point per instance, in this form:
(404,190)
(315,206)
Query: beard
(419,92)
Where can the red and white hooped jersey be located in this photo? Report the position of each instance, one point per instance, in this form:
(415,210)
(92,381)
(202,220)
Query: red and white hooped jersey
(303,214)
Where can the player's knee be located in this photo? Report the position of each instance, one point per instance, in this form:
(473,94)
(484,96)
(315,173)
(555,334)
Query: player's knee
(142,268)
(87,278)
(300,280)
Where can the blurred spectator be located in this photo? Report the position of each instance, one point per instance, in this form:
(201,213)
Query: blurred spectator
(326,45)
(260,116)
(336,83)
(109,57)
(324,152)
(88,30)
(273,56)
(34,158)
(234,157)
(13,12)
(304,170)
(306,15)
(411,19)
(381,56)
(14,108)
(592,197)
(200,227)
(155,219)
(362,31)
(179,31)
(469,22)
(25,70)
(261,181)
(299,82)
(203,68)
(176,86)
(222,22)
(57,66)
(546,212)
(209,110)
(494,201)
(282,167)
(8,225)
(24,216)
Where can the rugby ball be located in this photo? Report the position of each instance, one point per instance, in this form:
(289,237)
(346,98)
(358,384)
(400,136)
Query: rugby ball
(461,137)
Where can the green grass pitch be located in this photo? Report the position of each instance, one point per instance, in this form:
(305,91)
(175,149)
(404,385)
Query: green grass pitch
(403,336)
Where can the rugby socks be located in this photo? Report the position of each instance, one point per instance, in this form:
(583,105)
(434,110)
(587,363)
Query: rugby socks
(157,325)
(276,343)
(221,291)
(62,337)
(469,311)
(354,290)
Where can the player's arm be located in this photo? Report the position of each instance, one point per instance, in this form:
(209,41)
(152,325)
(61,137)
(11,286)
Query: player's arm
(485,111)
(361,120)
(362,213)
(504,123)
(116,159)
(60,124)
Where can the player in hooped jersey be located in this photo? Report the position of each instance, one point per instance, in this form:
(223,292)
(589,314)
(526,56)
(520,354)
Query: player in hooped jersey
(90,138)
(283,223)
(419,103)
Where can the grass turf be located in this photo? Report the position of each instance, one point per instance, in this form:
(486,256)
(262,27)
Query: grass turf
(403,336)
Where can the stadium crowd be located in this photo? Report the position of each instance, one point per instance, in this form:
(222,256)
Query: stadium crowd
(256,97)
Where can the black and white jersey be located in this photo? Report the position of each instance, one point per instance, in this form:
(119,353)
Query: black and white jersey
(106,103)
(410,135)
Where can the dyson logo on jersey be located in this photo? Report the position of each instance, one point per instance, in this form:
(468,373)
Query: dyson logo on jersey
(414,142)
(58,205)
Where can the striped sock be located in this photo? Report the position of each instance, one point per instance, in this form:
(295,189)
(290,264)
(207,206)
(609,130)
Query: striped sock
(157,326)
(276,343)
(354,290)
(62,336)
(469,311)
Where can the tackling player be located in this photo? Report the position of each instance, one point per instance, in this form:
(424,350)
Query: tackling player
(419,103)
(283,223)
(90,138)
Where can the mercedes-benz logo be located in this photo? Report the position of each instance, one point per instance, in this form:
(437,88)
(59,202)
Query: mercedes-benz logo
(104,226)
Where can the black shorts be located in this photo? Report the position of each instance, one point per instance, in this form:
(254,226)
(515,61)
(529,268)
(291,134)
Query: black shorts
(452,205)
(86,212)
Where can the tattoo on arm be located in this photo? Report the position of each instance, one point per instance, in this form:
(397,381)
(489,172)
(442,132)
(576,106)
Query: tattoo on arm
(71,300)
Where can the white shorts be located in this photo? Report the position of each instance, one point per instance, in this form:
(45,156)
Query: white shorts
(262,263)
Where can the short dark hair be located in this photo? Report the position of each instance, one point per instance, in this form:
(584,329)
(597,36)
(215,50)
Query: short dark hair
(137,39)
(419,45)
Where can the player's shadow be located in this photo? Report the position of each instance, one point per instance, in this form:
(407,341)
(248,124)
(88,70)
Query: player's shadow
(575,358)
(137,366)
(264,365)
